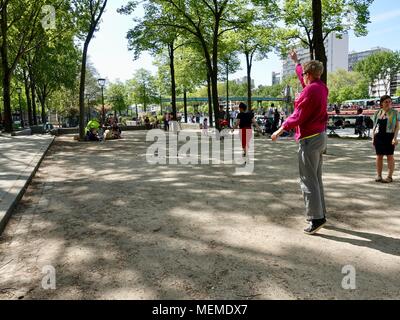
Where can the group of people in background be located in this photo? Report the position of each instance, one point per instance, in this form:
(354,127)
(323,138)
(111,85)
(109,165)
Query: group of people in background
(95,131)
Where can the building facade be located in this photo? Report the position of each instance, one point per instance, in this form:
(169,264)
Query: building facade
(276,78)
(380,87)
(355,57)
(337,53)
(243,80)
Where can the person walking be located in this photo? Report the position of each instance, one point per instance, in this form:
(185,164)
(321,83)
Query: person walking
(310,118)
(166,121)
(386,121)
(244,122)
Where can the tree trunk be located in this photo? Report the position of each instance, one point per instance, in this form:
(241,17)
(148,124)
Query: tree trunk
(144,99)
(42,100)
(173,82)
(82,92)
(214,92)
(318,37)
(214,73)
(6,71)
(185,104)
(34,111)
(248,66)
(227,90)
(209,100)
(28,98)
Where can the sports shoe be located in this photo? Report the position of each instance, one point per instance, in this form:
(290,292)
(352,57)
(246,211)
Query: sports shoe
(314,226)
(308,220)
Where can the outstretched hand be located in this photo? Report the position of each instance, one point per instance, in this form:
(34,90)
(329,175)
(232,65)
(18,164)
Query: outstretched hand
(293,56)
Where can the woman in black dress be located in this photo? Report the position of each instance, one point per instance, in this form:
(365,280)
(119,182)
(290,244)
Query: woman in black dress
(386,129)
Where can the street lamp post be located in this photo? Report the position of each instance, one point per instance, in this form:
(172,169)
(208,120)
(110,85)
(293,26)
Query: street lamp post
(19,90)
(102,83)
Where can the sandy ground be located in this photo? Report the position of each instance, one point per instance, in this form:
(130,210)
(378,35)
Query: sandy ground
(115,227)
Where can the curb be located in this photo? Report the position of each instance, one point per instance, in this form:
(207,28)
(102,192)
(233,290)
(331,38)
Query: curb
(4,217)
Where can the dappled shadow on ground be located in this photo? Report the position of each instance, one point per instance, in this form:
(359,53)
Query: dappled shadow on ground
(115,227)
(374,241)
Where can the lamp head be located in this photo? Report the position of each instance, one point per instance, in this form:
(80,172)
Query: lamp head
(101,82)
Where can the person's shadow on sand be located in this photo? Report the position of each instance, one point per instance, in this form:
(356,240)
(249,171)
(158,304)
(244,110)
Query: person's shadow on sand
(374,241)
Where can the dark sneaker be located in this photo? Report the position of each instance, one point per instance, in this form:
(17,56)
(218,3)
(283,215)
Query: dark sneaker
(308,220)
(314,226)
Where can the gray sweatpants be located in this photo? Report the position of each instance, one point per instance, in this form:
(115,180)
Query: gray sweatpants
(310,167)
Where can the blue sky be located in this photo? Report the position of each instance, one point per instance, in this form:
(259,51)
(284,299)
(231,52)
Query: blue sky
(108,50)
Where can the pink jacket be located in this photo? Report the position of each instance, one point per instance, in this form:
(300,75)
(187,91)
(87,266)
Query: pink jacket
(310,114)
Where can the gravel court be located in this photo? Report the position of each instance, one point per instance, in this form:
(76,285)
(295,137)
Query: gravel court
(115,227)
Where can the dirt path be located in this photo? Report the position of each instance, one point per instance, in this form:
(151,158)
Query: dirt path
(115,227)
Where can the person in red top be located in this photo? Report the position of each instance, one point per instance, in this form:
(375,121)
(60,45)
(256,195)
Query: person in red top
(310,118)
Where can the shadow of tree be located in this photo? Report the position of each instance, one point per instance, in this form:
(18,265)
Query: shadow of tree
(115,227)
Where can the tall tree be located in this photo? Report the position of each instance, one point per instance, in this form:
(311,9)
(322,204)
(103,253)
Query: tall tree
(257,40)
(20,24)
(143,87)
(333,16)
(148,35)
(191,72)
(318,37)
(117,96)
(206,21)
(57,65)
(88,13)
(229,63)
(381,67)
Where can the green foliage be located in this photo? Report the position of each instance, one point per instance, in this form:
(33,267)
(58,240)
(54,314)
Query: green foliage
(338,16)
(149,34)
(190,69)
(382,66)
(344,85)
(117,97)
(142,88)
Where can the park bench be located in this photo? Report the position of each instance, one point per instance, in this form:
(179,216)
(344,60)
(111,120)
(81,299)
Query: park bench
(131,123)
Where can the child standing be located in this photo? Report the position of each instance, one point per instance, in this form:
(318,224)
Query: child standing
(205,127)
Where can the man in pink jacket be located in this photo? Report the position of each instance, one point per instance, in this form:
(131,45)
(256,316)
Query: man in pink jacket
(309,118)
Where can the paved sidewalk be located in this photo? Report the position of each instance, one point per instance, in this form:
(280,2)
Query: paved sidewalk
(19,159)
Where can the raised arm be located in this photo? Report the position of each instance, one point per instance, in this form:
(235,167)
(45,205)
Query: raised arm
(299,68)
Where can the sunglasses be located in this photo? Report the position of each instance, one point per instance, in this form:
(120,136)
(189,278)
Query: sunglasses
(303,74)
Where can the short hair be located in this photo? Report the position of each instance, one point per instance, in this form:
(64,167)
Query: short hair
(314,67)
(383,98)
(243,106)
